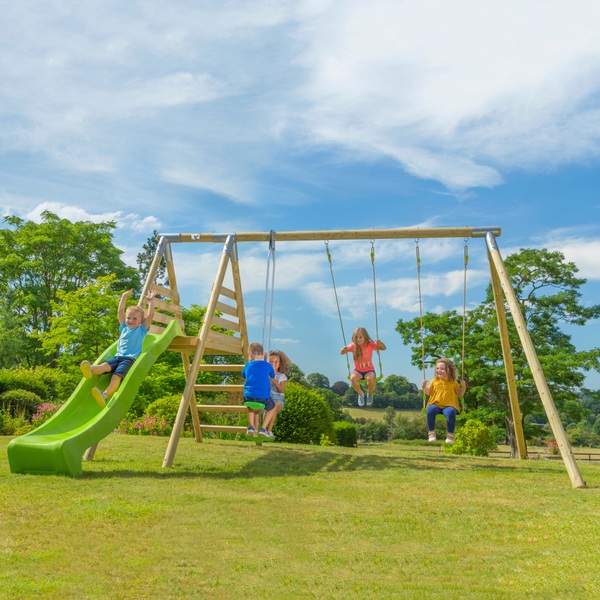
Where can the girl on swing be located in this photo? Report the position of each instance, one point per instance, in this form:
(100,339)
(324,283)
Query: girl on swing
(362,347)
(443,392)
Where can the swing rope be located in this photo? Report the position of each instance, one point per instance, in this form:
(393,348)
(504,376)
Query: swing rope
(337,302)
(418,257)
(376,313)
(269,292)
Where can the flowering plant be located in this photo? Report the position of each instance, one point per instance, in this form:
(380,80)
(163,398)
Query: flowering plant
(43,413)
(147,425)
(552,448)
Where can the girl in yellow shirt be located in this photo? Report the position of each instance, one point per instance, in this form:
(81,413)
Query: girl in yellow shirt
(443,392)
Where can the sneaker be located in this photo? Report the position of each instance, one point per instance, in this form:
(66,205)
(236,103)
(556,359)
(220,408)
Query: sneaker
(264,432)
(361,400)
(99,396)
(450,438)
(86,368)
(432,437)
(369,400)
(250,431)
(271,435)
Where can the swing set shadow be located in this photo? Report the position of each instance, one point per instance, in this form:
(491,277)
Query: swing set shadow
(225,311)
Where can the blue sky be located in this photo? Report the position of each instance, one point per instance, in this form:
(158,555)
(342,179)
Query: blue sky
(312,115)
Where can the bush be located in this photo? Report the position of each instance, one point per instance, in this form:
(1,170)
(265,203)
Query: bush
(19,402)
(345,433)
(165,408)
(473,438)
(145,426)
(306,417)
(51,385)
(373,431)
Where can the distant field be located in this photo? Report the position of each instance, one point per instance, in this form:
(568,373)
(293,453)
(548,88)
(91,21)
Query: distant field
(375,414)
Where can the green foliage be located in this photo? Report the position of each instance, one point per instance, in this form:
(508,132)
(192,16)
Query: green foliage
(19,402)
(296,375)
(166,408)
(84,323)
(373,431)
(547,291)
(306,417)
(334,402)
(145,425)
(34,267)
(51,385)
(317,380)
(473,438)
(345,433)
(411,427)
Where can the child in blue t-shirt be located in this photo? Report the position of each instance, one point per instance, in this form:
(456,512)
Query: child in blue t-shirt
(133,327)
(257,387)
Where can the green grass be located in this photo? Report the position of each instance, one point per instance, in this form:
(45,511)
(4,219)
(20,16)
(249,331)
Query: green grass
(237,520)
(375,414)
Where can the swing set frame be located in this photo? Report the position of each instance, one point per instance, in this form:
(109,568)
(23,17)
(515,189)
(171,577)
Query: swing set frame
(209,341)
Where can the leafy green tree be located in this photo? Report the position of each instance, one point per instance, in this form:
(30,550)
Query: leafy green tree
(145,258)
(340,387)
(548,293)
(296,375)
(317,380)
(39,260)
(85,324)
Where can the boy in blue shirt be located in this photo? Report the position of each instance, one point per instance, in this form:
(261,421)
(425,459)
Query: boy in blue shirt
(257,387)
(133,327)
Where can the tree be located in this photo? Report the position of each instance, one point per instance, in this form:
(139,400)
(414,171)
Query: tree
(340,387)
(145,258)
(85,323)
(317,380)
(38,260)
(296,375)
(547,290)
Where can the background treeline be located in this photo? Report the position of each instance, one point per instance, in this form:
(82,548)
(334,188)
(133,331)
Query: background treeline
(60,283)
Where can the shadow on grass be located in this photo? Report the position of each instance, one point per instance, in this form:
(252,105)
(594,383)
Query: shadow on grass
(289,462)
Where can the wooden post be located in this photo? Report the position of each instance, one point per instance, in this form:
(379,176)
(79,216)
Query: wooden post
(513,395)
(536,369)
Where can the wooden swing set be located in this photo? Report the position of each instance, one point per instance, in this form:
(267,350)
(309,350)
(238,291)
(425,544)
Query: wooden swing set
(225,309)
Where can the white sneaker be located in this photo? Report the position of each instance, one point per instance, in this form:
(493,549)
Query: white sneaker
(369,400)
(361,400)
(450,439)
(432,437)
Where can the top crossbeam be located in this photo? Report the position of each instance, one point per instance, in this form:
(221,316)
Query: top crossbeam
(336,234)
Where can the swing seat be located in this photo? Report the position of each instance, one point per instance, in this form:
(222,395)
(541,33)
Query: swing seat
(254,405)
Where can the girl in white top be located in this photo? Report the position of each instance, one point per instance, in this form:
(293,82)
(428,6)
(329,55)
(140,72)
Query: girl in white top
(281,364)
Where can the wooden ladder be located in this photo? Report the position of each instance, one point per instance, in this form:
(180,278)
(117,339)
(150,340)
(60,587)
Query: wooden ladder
(225,309)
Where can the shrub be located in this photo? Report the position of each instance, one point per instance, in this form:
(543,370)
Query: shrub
(15,425)
(473,438)
(51,385)
(306,417)
(373,431)
(19,401)
(43,413)
(345,433)
(165,408)
(147,425)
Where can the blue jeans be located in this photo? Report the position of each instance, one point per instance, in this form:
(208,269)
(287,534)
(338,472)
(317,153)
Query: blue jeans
(449,412)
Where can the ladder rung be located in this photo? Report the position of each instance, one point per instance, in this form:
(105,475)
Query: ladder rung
(221,408)
(232,368)
(233,387)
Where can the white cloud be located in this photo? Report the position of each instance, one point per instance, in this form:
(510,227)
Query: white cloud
(72,213)
(453,91)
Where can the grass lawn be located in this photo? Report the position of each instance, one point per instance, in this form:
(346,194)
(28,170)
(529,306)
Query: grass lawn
(236,520)
(375,414)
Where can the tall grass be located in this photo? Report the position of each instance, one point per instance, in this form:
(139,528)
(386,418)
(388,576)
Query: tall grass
(236,520)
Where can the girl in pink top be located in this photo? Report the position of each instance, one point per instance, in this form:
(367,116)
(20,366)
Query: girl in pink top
(362,347)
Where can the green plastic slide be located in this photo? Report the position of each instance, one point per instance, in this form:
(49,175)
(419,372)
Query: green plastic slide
(57,446)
